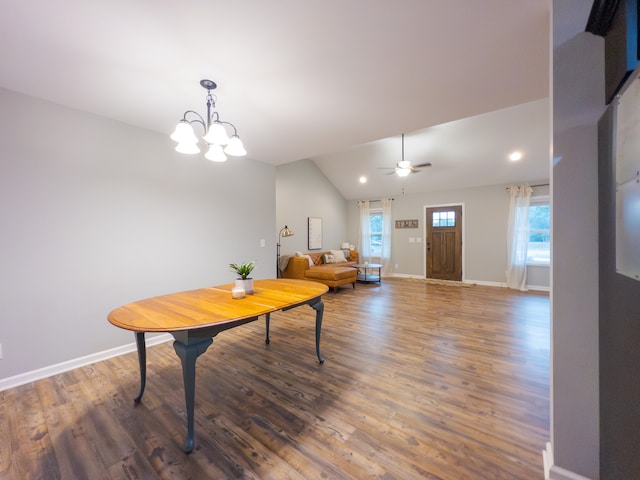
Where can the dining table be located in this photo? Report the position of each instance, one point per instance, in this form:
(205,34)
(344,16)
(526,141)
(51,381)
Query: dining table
(195,317)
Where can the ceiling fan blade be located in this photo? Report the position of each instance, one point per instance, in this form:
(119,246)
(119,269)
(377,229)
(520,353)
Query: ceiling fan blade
(413,170)
(421,165)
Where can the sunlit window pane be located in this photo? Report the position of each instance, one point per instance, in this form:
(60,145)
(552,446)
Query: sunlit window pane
(539,246)
(375,234)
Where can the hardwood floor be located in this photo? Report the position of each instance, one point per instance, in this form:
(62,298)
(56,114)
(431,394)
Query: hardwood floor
(420,381)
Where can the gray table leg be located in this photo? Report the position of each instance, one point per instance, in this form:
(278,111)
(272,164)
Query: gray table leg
(319,308)
(267,320)
(188,354)
(142,360)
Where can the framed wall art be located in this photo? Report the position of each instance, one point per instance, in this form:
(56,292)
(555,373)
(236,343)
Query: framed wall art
(315,233)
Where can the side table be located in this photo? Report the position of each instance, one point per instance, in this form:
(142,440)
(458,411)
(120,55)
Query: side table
(367,274)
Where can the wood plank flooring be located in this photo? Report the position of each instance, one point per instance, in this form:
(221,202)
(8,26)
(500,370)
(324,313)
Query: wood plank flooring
(421,381)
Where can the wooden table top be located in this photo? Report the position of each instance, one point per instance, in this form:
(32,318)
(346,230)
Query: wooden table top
(213,306)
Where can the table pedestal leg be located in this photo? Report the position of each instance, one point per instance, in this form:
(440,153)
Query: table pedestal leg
(188,354)
(267,319)
(319,308)
(142,359)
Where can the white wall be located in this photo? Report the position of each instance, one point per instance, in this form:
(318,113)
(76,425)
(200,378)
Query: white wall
(96,214)
(303,191)
(485,218)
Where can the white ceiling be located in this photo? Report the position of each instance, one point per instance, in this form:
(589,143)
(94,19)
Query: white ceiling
(307,79)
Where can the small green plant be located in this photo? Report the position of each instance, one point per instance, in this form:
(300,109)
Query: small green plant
(244,269)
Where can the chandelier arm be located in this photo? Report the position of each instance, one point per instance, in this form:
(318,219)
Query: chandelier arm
(199,120)
(235,131)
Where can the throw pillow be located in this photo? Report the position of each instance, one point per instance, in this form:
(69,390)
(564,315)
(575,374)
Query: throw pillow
(338,255)
(309,259)
(328,258)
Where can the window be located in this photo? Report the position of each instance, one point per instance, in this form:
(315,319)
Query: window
(444,219)
(375,232)
(539,247)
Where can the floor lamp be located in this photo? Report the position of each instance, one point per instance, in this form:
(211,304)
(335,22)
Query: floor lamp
(284,232)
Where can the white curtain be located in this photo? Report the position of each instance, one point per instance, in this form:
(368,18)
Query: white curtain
(518,236)
(385,258)
(364,237)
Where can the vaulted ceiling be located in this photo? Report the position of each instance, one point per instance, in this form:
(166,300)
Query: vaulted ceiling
(304,79)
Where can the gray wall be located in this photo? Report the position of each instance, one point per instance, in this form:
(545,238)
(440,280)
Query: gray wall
(575,302)
(485,218)
(578,68)
(96,214)
(303,191)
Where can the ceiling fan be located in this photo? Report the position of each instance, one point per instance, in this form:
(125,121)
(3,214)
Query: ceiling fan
(404,167)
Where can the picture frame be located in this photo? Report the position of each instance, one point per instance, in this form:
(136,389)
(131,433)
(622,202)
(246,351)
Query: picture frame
(314,232)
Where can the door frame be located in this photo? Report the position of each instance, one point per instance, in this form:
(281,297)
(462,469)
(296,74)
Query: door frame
(424,234)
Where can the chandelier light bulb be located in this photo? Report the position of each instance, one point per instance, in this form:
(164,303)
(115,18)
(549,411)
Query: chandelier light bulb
(235,147)
(184,133)
(215,154)
(217,134)
(188,148)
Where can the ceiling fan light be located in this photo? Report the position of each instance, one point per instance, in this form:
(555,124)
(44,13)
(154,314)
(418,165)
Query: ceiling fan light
(215,154)
(235,147)
(404,165)
(403,172)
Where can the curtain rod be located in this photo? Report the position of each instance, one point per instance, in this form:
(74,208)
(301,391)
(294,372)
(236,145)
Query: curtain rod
(532,186)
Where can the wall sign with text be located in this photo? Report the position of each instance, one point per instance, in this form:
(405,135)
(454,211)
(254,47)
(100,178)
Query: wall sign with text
(406,223)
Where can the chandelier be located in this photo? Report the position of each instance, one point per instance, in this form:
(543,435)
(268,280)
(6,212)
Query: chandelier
(215,133)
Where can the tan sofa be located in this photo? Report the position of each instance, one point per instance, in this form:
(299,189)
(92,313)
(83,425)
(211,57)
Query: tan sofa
(331,274)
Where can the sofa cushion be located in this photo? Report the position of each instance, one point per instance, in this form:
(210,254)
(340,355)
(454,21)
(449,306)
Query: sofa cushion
(328,258)
(332,273)
(316,257)
(338,255)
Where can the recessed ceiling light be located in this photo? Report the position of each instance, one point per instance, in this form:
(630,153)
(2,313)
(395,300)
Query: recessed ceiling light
(363,179)
(515,156)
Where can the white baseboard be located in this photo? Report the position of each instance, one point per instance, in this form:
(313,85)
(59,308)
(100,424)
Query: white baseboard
(540,288)
(32,376)
(486,284)
(406,275)
(553,472)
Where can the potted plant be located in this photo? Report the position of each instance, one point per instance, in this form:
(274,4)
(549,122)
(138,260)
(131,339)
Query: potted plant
(243,270)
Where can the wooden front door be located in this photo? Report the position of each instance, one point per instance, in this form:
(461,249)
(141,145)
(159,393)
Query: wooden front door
(444,242)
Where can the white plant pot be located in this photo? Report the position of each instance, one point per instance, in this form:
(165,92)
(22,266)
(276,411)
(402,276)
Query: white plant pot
(247,285)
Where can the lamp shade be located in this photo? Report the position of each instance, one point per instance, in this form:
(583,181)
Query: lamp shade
(344,246)
(217,134)
(184,133)
(286,232)
(188,148)
(215,154)
(235,147)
